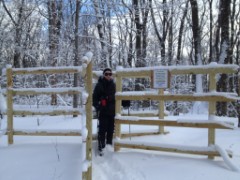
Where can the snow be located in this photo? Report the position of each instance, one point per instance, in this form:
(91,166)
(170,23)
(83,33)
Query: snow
(48,158)
(3,103)
(227,159)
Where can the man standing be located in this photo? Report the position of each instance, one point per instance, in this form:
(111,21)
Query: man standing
(104,103)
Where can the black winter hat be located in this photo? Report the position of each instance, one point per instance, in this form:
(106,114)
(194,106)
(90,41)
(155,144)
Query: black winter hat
(107,69)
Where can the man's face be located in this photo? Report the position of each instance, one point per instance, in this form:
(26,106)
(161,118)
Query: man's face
(108,75)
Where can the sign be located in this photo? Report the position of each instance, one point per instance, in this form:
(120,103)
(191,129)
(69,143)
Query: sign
(160,78)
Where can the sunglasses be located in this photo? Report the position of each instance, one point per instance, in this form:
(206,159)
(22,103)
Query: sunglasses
(107,74)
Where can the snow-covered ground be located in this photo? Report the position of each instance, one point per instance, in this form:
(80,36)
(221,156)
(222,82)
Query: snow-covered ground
(59,158)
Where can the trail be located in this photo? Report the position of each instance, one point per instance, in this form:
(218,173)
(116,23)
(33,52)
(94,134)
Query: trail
(112,166)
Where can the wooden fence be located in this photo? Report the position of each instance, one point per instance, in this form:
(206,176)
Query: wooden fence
(212,97)
(86,71)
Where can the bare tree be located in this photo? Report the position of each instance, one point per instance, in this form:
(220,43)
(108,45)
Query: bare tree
(76,59)
(18,20)
(179,50)
(101,33)
(196,33)
(224,50)
(180,34)
(211,31)
(165,25)
(197,80)
(170,35)
(141,30)
(127,31)
(54,28)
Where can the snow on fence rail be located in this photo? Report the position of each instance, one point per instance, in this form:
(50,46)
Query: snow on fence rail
(212,97)
(86,113)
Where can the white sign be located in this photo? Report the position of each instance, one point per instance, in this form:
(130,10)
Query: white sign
(160,78)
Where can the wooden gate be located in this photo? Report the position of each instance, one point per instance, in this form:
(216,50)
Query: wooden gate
(212,96)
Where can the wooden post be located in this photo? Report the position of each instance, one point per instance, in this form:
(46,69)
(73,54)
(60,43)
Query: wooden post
(118,108)
(212,110)
(161,111)
(9,105)
(89,89)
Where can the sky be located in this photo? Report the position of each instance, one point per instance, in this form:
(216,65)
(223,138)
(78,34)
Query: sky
(59,158)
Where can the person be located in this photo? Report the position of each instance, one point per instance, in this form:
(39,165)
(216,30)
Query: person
(104,103)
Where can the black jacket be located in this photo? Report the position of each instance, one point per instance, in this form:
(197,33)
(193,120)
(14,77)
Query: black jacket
(104,97)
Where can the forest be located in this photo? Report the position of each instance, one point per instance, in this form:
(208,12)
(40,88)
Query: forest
(127,33)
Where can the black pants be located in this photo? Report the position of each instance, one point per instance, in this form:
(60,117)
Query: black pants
(105,130)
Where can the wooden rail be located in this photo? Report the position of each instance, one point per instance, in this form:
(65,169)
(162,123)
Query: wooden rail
(162,122)
(175,97)
(178,70)
(47,70)
(48,91)
(169,148)
(73,111)
(46,133)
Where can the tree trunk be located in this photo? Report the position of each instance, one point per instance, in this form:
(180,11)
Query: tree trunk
(76,54)
(196,32)
(55,13)
(101,33)
(145,13)
(197,80)
(130,46)
(180,34)
(231,44)
(211,32)
(138,45)
(179,51)
(224,52)
(18,31)
(170,37)
(161,38)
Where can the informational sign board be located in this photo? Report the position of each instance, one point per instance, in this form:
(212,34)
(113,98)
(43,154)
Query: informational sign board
(160,78)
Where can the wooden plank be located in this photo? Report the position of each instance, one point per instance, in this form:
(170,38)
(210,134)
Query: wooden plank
(118,105)
(46,133)
(138,134)
(161,111)
(47,70)
(212,111)
(206,69)
(162,122)
(170,97)
(134,74)
(142,113)
(166,149)
(118,102)
(36,91)
(9,105)
(88,82)
(51,113)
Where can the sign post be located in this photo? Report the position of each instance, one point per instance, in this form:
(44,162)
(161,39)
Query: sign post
(160,81)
